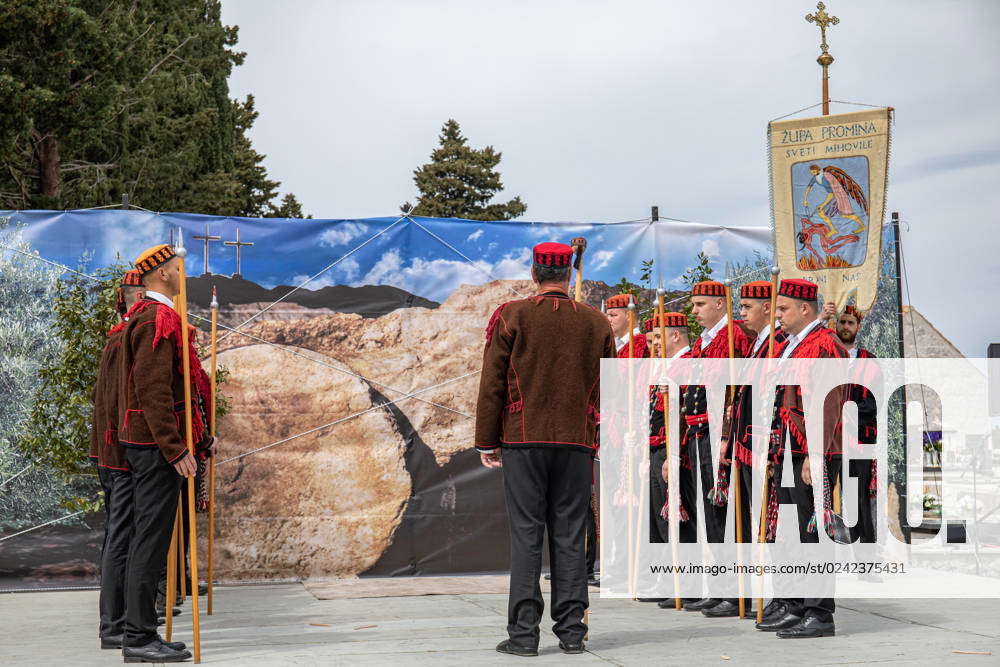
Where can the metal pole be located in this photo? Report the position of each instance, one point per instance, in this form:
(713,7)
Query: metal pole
(901,490)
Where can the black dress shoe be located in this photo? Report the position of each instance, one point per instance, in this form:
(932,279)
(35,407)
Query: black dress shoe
(703,603)
(782,623)
(669,603)
(808,628)
(593,581)
(154,651)
(509,647)
(724,609)
(774,609)
(571,647)
(115,642)
(650,599)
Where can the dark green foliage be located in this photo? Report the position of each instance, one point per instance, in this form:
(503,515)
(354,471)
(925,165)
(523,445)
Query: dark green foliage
(103,97)
(460,181)
(697,273)
(56,433)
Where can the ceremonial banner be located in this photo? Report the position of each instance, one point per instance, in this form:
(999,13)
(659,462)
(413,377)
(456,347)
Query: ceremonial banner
(828,181)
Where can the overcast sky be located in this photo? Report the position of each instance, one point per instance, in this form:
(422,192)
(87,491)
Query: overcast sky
(602,109)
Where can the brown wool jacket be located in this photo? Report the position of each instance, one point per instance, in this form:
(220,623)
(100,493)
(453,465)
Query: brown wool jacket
(104,447)
(151,387)
(541,370)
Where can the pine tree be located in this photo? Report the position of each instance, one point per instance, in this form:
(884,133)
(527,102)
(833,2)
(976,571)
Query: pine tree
(460,181)
(98,98)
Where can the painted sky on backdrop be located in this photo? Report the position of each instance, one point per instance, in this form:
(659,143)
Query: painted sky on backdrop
(425,256)
(603,109)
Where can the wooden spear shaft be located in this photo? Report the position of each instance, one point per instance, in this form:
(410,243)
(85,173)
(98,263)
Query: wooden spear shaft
(171,593)
(189,439)
(737,480)
(661,312)
(761,529)
(628,449)
(211,462)
(180,548)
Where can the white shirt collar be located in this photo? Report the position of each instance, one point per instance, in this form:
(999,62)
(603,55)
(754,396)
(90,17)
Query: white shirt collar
(623,341)
(709,334)
(762,337)
(156,296)
(853,352)
(681,352)
(795,339)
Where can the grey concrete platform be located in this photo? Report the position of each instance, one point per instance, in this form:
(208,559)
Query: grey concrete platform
(286,625)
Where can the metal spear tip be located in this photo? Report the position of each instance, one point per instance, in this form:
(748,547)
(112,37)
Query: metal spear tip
(775,270)
(729,282)
(179,247)
(660,291)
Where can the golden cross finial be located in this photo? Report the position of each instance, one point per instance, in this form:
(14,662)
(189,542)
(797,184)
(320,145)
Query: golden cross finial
(823,20)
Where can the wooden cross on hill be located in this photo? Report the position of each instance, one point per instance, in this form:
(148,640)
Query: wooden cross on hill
(207,238)
(239,245)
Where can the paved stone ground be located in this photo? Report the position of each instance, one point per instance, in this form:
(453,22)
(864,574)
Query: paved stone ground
(286,625)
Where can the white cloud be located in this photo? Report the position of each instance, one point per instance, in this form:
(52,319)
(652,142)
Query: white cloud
(343,274)
(126,239)
(342,233)
(475,235)
(710,247)
(437,278)
(602,258)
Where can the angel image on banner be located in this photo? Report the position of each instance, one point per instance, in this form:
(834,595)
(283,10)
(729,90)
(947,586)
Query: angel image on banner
(832,226)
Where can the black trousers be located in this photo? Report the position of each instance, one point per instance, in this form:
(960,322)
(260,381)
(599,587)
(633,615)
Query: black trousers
(715,517)
(118,490)
(659,529)
(154,502)
(866,529)
(547,489)
(591,539)
(802,496)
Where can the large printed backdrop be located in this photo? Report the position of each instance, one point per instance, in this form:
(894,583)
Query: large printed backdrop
(381,349)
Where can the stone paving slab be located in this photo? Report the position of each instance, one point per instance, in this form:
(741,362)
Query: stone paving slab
(286,625)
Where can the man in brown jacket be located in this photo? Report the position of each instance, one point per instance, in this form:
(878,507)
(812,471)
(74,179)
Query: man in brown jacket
(150,412)
(536,416)
(113,473)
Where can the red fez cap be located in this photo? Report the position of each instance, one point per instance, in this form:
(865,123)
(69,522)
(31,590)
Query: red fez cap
(709,288)
(553,254)
(617,301)
(132,278)
(798,289)
(669,320)
(758,289)
(851,310)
